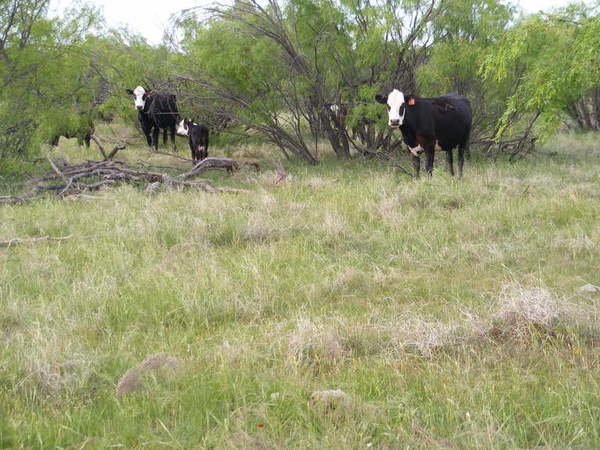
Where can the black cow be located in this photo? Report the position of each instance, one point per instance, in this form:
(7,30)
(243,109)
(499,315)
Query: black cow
(427,123)
(156,111)
(197,137)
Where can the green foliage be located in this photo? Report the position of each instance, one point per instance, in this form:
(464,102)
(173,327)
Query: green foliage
(49,85)
(550,60)
(275,68)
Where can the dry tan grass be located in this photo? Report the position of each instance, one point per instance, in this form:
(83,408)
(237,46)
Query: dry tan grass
(317,182)
(159,364)
(260,227)
(334,224)
(52,362)
(415,335)
(331,401)
(521,311)
(313,343)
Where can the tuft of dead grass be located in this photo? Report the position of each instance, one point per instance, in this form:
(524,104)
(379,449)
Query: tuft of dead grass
(334,224)
(316,182)
(415,335)
(159,363)
(330,401)
(313,343)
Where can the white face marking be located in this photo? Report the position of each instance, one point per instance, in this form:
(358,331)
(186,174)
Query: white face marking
(138,94)
(416,150)
(397,108)
(181,129)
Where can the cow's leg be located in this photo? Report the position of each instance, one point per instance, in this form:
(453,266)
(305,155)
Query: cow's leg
(450,161)
(193,151)
(165,137)
(461,159)
(148,138)
(416,164)
(173,138)
(429,156)
(155,136)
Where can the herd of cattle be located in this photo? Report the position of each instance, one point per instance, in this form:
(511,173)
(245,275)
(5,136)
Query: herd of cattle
(426,124)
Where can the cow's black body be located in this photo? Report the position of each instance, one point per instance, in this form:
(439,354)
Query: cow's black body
(440,121)
(162,114)
(159,112)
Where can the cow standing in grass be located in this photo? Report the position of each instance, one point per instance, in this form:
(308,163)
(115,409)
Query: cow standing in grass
(156,111)
(429,123)
(197,135)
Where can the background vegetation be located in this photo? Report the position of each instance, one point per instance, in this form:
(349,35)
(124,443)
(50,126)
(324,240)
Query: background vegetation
(343,306)
(271,70)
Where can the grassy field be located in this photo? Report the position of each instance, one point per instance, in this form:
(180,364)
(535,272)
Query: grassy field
(349,307)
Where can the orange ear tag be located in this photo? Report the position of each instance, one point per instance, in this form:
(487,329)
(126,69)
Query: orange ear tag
(412,101)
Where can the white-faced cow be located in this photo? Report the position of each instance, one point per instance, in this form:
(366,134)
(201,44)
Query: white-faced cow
(156,111)
(429,123)
(197,135)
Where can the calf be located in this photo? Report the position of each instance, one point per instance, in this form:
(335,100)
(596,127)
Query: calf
(428,123)
(197,135)
(156,111)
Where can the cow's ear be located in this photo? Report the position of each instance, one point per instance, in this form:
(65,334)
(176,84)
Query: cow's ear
(411,100)
(381,99)
(129,91)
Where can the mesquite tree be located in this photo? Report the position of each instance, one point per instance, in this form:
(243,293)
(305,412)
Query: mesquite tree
(279,68)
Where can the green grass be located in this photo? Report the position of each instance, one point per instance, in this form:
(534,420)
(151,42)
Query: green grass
(447,310)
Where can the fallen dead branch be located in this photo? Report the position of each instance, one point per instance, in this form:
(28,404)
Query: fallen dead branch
(75,179)
(18,241)
(173,155)
(114,151)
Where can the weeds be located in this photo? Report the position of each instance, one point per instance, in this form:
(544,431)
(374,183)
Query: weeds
(449,312)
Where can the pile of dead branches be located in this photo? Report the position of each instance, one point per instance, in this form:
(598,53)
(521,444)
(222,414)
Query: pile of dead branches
(515,149)
(74,179)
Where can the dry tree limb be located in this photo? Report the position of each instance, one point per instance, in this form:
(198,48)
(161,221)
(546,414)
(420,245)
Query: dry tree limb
(18,241)
(227,164)
(100,146)
(93,175)
(172,155)
(114,151)
(60,174)
(13,199)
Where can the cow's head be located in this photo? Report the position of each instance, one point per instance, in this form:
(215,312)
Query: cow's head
(139,97)
(184,126)
(396,104)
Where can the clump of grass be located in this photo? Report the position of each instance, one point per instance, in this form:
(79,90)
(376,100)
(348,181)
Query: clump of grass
(159,364)
(317,182)
(522,311)
(330,401)
(52,363)
(260,227)
(424,338)
(313,343)
(334,224)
